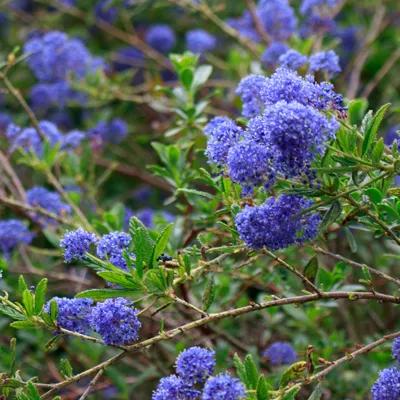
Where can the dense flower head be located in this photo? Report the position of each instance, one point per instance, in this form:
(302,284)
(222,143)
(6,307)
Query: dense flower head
(317,24)
(280,353)
(387,386)
(222,133)
(294,133)
(148,216)
(250,165)
(113,131)
(73,314)
(115,321)
(271,55)
(195,364)
(278,18)
(5,120)
(111,247)
(13,232)
(53,56)
(252,91)
(161,37)
(326,61)
(174,388)
(223,387)
(292,59)
(257,92)
(396,349)
(72,139)
(277,223)
(199,41)
(51,201)
(76,244)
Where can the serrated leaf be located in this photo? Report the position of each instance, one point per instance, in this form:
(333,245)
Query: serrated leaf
(372,129)
(127,282)
(10,312)
(240,369)
(40,295)
(262,389)
(251,372)
(28,301)
(104,294)
(66,368)
(23,324)
(22,284)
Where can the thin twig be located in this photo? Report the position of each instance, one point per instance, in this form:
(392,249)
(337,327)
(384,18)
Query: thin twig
(91,385)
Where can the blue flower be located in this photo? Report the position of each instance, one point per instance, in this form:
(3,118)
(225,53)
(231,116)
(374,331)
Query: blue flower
(195,364)
(161,37)
(396,349)
(199,41)
(13,232)
(252,90)
(245,26)
(128,57)
(72,314)
(292,59)
(317,6)
(174,388)
(105,11)
(294,133)
(272,53)
(148,216)
(280,353)
(76,244)
(40,197)
(115,321)
(222,133)
(278,18)
(113,131)
(277,223)
(223,387)
(387,386)
(250,165)
(111,247)
(326,61)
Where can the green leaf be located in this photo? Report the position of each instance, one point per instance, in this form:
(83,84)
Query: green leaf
(350,239)
(11,312)
(161,244)
(28,301)
(126,281)
(209,293)
(158,280)
(372,129)
(23,324)
(22,284)
(104,294)
(201,75)
(331,215)
(186,77)
(196,192)
(292,373)
(40,295)
(374,195)
(357,108)
(262,389)
(311,269)
(32,392)
(66,368)
(240,369)
(377,151)
(251,372)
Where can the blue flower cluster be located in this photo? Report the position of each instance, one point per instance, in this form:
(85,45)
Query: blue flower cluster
(76,244)
(29,139)
(112,246)
(318,16)
(280,353)
(72,313)
(113,319)
(277,223)
(194,380)
(113,131)
(199,41)
(161,38)
(272,53)
(53,57)
(13,232)
(149,217)
(40,197)
(387,386)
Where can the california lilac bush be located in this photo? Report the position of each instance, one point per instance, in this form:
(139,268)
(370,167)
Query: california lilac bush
(199,200)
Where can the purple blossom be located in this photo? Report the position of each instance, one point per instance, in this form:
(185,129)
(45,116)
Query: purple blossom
(128,57)
(112,246)
(73,314)
(161,37)
(195,364)
(76,244)
(252,91)
(387,386)
(115,321)
(174,388)
(13,232)
(280,353)
(272,53)
(223,387)
(199,41)
(292,59)
(396,349)
(277,223)
(113,131)
(326,61)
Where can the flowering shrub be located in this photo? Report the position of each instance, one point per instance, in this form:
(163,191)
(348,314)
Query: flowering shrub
(199,200)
